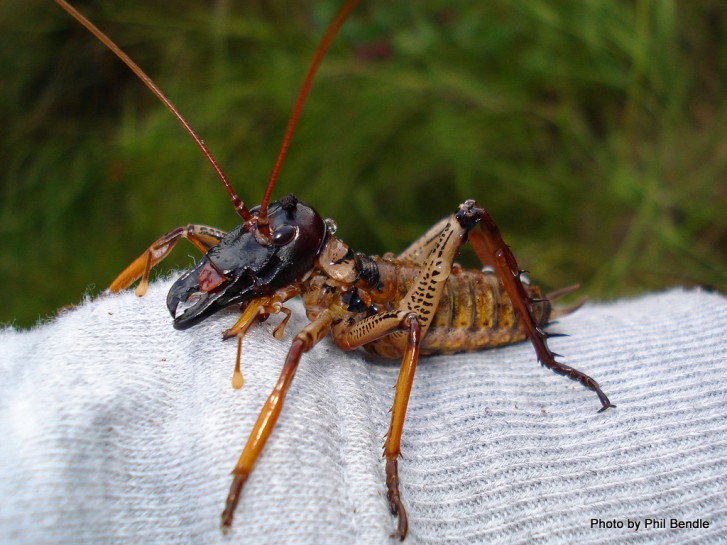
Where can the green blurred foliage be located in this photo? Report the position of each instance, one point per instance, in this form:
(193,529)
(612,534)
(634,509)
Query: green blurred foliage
(594,132)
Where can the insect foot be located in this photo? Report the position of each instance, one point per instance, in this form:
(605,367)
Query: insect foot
(395,505)
(235,489)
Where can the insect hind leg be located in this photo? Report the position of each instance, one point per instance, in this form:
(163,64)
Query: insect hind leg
(490,248)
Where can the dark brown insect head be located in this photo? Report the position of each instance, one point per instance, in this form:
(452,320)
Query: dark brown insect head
(245,266)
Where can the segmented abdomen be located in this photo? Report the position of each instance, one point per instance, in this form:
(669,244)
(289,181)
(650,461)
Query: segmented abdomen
(474,311)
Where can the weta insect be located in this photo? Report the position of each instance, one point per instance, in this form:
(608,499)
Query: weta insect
(418,302)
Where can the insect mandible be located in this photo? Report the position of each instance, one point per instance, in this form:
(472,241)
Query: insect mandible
(419,302)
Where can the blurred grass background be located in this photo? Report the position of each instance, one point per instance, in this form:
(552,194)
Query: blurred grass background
(595,132)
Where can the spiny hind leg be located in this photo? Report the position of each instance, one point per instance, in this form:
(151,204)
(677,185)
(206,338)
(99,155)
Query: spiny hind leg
(419,250)
(201,236)
(490,248)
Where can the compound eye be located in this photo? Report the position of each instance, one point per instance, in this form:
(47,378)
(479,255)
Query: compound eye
(284,234)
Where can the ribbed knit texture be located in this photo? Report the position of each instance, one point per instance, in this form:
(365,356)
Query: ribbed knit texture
(116,428)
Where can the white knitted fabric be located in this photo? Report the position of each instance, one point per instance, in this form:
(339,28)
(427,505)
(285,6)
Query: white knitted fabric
(116,428)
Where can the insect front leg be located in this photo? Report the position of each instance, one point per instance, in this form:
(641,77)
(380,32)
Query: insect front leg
(255,310)
(303,342)
(201,236)
(491,249)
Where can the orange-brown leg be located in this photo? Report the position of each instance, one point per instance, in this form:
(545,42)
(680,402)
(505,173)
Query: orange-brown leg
(491,249)
(201,236)
(392,447)
(255,309)
(399,332)
(303,342)
(351,335)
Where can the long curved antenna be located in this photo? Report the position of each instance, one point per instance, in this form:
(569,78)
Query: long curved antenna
(240,207)
(340,18)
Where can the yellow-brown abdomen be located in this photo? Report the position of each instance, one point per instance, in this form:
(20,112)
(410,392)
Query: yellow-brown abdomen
(473,313)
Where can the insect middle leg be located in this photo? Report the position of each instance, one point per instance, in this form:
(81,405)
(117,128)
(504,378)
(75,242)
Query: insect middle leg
(402,330)
(201,236)
(353,335)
